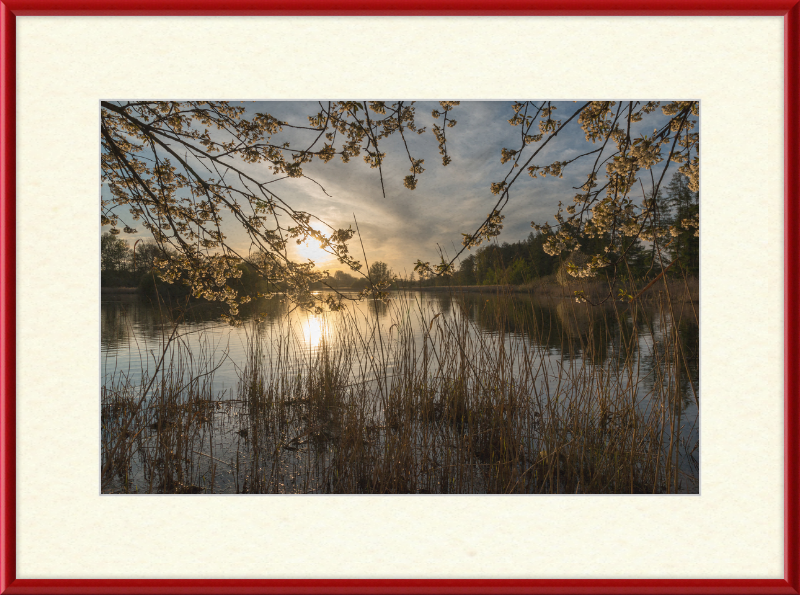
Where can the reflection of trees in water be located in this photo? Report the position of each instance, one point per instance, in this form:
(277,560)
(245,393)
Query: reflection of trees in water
(115,323)
(607,335)
(120,316)
(378,308)
(670,353)
(123,318)
(689,336)
(444,302)
(574,330)
(586,331)
(686,350)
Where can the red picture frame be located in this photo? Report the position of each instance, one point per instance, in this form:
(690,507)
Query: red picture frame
(788,9)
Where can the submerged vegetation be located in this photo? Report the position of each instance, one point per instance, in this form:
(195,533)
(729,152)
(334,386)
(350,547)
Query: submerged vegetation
(464,395)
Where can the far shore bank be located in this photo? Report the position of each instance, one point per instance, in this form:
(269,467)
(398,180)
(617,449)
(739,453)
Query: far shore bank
(471,288)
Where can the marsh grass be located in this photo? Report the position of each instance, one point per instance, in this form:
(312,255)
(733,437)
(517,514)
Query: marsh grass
(426,403)
(674,289)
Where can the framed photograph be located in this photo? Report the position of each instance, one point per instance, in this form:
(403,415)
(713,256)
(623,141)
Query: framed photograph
(399,299)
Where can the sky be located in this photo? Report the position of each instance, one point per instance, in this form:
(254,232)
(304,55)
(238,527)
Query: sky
(408,225)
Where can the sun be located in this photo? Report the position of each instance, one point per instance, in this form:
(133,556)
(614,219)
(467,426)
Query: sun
(311,250)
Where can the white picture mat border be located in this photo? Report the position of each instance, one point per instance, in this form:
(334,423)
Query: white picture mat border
(66,65)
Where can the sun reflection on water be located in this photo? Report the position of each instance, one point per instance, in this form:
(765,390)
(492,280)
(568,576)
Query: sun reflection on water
(315,331)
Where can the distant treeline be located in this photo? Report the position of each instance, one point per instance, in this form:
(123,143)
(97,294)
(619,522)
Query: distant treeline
(124,265)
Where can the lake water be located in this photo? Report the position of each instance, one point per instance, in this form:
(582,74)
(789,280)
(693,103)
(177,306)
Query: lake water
(560,351)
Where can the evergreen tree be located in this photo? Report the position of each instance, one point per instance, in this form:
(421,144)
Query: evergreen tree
(684,206)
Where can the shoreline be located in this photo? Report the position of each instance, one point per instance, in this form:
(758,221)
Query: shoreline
(471,288)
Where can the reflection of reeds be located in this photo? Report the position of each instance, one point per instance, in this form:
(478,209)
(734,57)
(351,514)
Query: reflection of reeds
(152,425)
(449,410)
